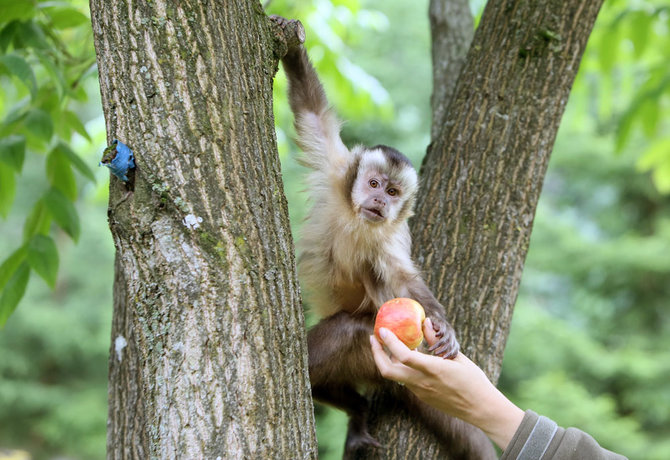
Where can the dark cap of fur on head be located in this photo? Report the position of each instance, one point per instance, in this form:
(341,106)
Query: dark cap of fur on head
(395,157)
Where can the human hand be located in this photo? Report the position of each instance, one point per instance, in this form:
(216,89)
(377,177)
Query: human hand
(457,386)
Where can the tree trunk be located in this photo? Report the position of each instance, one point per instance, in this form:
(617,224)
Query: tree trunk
(481,181)
(208,356)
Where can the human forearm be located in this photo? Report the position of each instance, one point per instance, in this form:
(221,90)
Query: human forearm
(457,387)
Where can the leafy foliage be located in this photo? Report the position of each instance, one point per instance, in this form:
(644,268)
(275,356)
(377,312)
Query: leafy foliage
(625,81)
(46,54)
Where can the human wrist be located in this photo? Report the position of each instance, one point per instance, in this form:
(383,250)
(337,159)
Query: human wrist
(499,418)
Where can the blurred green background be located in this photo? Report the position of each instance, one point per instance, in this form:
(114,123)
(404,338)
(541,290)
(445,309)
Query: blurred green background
(589,339)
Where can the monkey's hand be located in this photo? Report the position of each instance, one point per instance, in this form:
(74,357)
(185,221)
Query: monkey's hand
(292,32)
(446,345)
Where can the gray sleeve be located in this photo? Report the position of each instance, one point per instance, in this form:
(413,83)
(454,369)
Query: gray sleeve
(541,438)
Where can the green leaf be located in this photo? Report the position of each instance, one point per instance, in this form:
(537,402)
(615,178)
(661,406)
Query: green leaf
(65,18)
(37,222)
(657,154)
(39,123)
(31,35)
(13,151)
(13,292)
(7,189)
(10,265)
(661,176)
(608,48)
(649,116)
(640,29)
(76,160)
(63,212)
(13,9)
(43,258)
(625,130)
(56,73)
(60,175)
(75,123)
(7,35)
(18,66)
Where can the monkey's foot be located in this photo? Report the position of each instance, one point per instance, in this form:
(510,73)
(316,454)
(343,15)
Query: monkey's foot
(447,346)
(356,442)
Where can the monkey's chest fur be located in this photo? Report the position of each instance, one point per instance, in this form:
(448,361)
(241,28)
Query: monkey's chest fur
(353,268)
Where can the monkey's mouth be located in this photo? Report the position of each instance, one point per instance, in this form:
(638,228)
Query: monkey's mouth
(373,214)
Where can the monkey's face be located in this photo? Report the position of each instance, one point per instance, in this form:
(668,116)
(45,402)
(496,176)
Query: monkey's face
(377,197)
(384,188)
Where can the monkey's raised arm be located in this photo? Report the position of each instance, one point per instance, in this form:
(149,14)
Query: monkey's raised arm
(317,126)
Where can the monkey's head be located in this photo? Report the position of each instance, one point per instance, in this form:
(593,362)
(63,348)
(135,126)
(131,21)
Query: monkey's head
(382,183)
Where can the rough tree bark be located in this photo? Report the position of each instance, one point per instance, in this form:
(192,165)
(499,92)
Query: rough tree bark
(481,180)
(451,30)
(208,357)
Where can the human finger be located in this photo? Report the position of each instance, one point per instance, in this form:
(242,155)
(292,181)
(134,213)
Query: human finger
(402,353)
(386,366)
(389,367)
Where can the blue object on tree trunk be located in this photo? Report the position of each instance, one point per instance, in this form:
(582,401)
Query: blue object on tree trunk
(119,159)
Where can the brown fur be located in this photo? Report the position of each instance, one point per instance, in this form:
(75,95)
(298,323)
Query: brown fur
(350,264)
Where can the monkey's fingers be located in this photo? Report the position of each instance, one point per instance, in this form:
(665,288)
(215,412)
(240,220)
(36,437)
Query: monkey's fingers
(294,32)
(447,350)
(447,347)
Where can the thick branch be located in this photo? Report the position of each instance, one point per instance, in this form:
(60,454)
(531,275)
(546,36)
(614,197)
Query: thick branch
(452,28)
(481,180)
(483,174)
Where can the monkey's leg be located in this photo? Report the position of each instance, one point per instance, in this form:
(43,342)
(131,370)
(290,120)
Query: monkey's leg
(339,360)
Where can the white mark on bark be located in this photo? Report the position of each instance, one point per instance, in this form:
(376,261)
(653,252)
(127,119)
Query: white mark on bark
(179,346)
(192,221)
(119,344)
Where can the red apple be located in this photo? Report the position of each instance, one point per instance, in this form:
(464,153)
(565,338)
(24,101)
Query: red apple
(404,317)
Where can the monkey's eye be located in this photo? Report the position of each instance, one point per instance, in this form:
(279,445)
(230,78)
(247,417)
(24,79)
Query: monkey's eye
(373,183)
(392,191)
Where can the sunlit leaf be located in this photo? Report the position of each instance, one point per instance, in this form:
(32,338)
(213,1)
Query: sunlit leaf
(640,28)
(13,9)
(13,151)
(63,212)
(657,154)
(18,66)
(7,189)
(608,49)
(649,116)
(60,175)
(43,258)
(65,18)
(661,176)
(13,292)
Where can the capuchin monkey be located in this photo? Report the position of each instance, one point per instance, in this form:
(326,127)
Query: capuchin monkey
(355,255)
